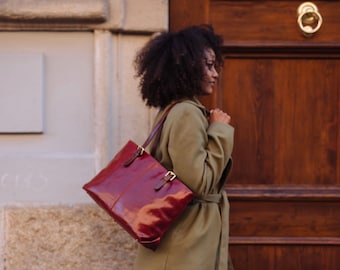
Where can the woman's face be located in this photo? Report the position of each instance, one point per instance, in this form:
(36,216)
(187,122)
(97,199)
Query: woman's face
(210,74)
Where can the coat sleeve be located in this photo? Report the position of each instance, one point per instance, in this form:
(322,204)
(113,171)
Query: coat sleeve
(199,152)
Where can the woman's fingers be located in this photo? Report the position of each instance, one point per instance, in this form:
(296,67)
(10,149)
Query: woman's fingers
(217,115)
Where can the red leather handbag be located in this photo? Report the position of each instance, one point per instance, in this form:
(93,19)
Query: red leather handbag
(139,193)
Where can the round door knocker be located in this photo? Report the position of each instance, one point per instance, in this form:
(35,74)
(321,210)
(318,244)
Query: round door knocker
(309,18)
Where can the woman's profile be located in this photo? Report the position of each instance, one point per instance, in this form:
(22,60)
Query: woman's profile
(195,143)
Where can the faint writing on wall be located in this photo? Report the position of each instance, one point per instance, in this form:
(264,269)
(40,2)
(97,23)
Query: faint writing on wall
(35,182)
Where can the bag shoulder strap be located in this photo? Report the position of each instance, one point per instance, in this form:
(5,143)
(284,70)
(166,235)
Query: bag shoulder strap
(155,131)
(158,127)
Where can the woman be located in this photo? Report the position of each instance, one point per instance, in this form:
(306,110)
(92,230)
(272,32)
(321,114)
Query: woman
(195,143)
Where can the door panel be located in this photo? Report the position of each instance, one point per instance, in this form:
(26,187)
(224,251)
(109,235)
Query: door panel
(270,21)
(286,121)
(286,221)
(282,90)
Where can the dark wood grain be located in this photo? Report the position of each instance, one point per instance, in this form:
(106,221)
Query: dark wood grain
(283,93)
(188,12)
(287,121)
(271,20)
(283,257)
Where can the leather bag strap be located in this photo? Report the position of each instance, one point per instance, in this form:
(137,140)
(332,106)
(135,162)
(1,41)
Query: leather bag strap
(158,127)
(155,131)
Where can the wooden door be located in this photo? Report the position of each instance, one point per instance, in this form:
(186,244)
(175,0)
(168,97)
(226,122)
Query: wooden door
(282,90)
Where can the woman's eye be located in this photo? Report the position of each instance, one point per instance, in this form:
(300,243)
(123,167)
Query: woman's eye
(210,65)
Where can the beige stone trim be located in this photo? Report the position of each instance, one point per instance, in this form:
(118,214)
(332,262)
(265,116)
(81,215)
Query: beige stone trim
(120,16)
(102,96)
(70,11)
(2,237)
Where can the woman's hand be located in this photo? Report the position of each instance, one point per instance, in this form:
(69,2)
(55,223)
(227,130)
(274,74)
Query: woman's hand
(217,115)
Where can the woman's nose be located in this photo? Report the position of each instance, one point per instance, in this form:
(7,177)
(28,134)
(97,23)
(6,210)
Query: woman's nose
(215,73)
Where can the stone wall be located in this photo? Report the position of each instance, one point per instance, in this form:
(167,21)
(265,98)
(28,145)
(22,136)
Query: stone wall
(81,237)
(89,108)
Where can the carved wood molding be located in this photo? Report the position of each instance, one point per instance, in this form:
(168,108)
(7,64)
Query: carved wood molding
(241,240)
(241,49)
(271,192)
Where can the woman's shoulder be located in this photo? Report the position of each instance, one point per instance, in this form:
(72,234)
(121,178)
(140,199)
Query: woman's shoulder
(188,106)
(186,112)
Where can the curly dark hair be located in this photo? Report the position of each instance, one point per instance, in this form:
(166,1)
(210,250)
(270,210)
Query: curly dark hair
(170,65)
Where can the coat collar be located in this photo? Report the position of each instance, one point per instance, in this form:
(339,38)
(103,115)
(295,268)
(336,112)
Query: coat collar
(199,105)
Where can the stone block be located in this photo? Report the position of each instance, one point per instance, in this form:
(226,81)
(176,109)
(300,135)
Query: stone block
(46,179)
(21,103)
(81,237)
(129,123)
(74,11)
(146,15)
(2,238)
(115,15)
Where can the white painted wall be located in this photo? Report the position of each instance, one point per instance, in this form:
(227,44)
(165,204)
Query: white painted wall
(68,102)
(50,166)
(91,107)
(69,99)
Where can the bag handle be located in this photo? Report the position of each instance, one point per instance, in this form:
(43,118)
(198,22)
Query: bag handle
(158,127)
(155,131)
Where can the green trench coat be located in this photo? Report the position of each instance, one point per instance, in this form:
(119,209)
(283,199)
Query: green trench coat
(198,153)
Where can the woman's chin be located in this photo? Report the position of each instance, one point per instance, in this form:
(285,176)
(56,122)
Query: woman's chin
(208,92)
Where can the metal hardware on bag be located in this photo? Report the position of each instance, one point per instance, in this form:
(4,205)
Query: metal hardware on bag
(139,152)
(168,177)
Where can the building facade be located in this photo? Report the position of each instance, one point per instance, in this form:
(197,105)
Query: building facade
(69,101)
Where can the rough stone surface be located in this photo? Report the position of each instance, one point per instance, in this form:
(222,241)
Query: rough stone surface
(2,240)
(80,237)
